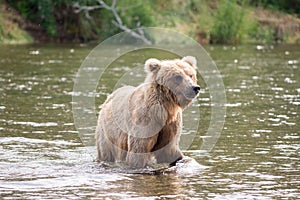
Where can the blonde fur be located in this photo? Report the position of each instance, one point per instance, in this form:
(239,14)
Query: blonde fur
(138,123)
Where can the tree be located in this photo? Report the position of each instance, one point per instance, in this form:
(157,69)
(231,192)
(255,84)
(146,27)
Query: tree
(100,4)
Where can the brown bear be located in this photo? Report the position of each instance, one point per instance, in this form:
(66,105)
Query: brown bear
(139,125)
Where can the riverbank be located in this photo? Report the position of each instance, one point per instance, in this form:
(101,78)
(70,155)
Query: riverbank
(204,21)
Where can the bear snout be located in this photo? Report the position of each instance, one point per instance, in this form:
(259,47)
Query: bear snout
(196,88)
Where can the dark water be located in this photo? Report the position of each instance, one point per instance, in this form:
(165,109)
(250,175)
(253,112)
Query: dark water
(256,157)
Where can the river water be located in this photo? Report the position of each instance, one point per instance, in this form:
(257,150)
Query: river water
(256,157)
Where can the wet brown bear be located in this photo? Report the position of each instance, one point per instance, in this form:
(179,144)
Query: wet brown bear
(137,124)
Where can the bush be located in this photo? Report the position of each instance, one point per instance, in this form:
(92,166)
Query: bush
(227,25)
(38,11)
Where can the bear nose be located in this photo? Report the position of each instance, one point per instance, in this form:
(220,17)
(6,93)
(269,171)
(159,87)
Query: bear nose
(196,88)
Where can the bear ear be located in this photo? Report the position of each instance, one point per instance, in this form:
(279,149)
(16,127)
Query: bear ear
(190,60)
(152,65)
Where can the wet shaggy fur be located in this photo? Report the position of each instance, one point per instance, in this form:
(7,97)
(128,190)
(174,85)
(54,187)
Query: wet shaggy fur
(137,124)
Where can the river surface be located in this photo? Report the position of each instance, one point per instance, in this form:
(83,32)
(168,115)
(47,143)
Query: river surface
(256,157)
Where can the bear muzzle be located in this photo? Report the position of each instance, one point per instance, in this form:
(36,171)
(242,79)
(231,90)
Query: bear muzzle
(192,92)
(196,89)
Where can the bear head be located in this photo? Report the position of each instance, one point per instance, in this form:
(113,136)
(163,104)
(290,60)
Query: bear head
(175,77)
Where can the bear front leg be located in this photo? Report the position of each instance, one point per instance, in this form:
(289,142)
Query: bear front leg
(139,151)
(167,148)
(168,154)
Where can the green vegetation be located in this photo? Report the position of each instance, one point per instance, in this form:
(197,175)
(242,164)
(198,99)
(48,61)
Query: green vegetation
(228,23)
(38,11)
(10,31)
(132,13)
(289,6)
(56,18)
(207,21)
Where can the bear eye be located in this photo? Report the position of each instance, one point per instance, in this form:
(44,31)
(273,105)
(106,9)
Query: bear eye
(178,78)
(191,76)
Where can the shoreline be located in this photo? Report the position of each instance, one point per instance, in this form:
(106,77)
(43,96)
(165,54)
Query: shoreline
(271,27)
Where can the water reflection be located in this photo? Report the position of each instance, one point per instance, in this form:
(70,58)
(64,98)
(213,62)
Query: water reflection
(256,157)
